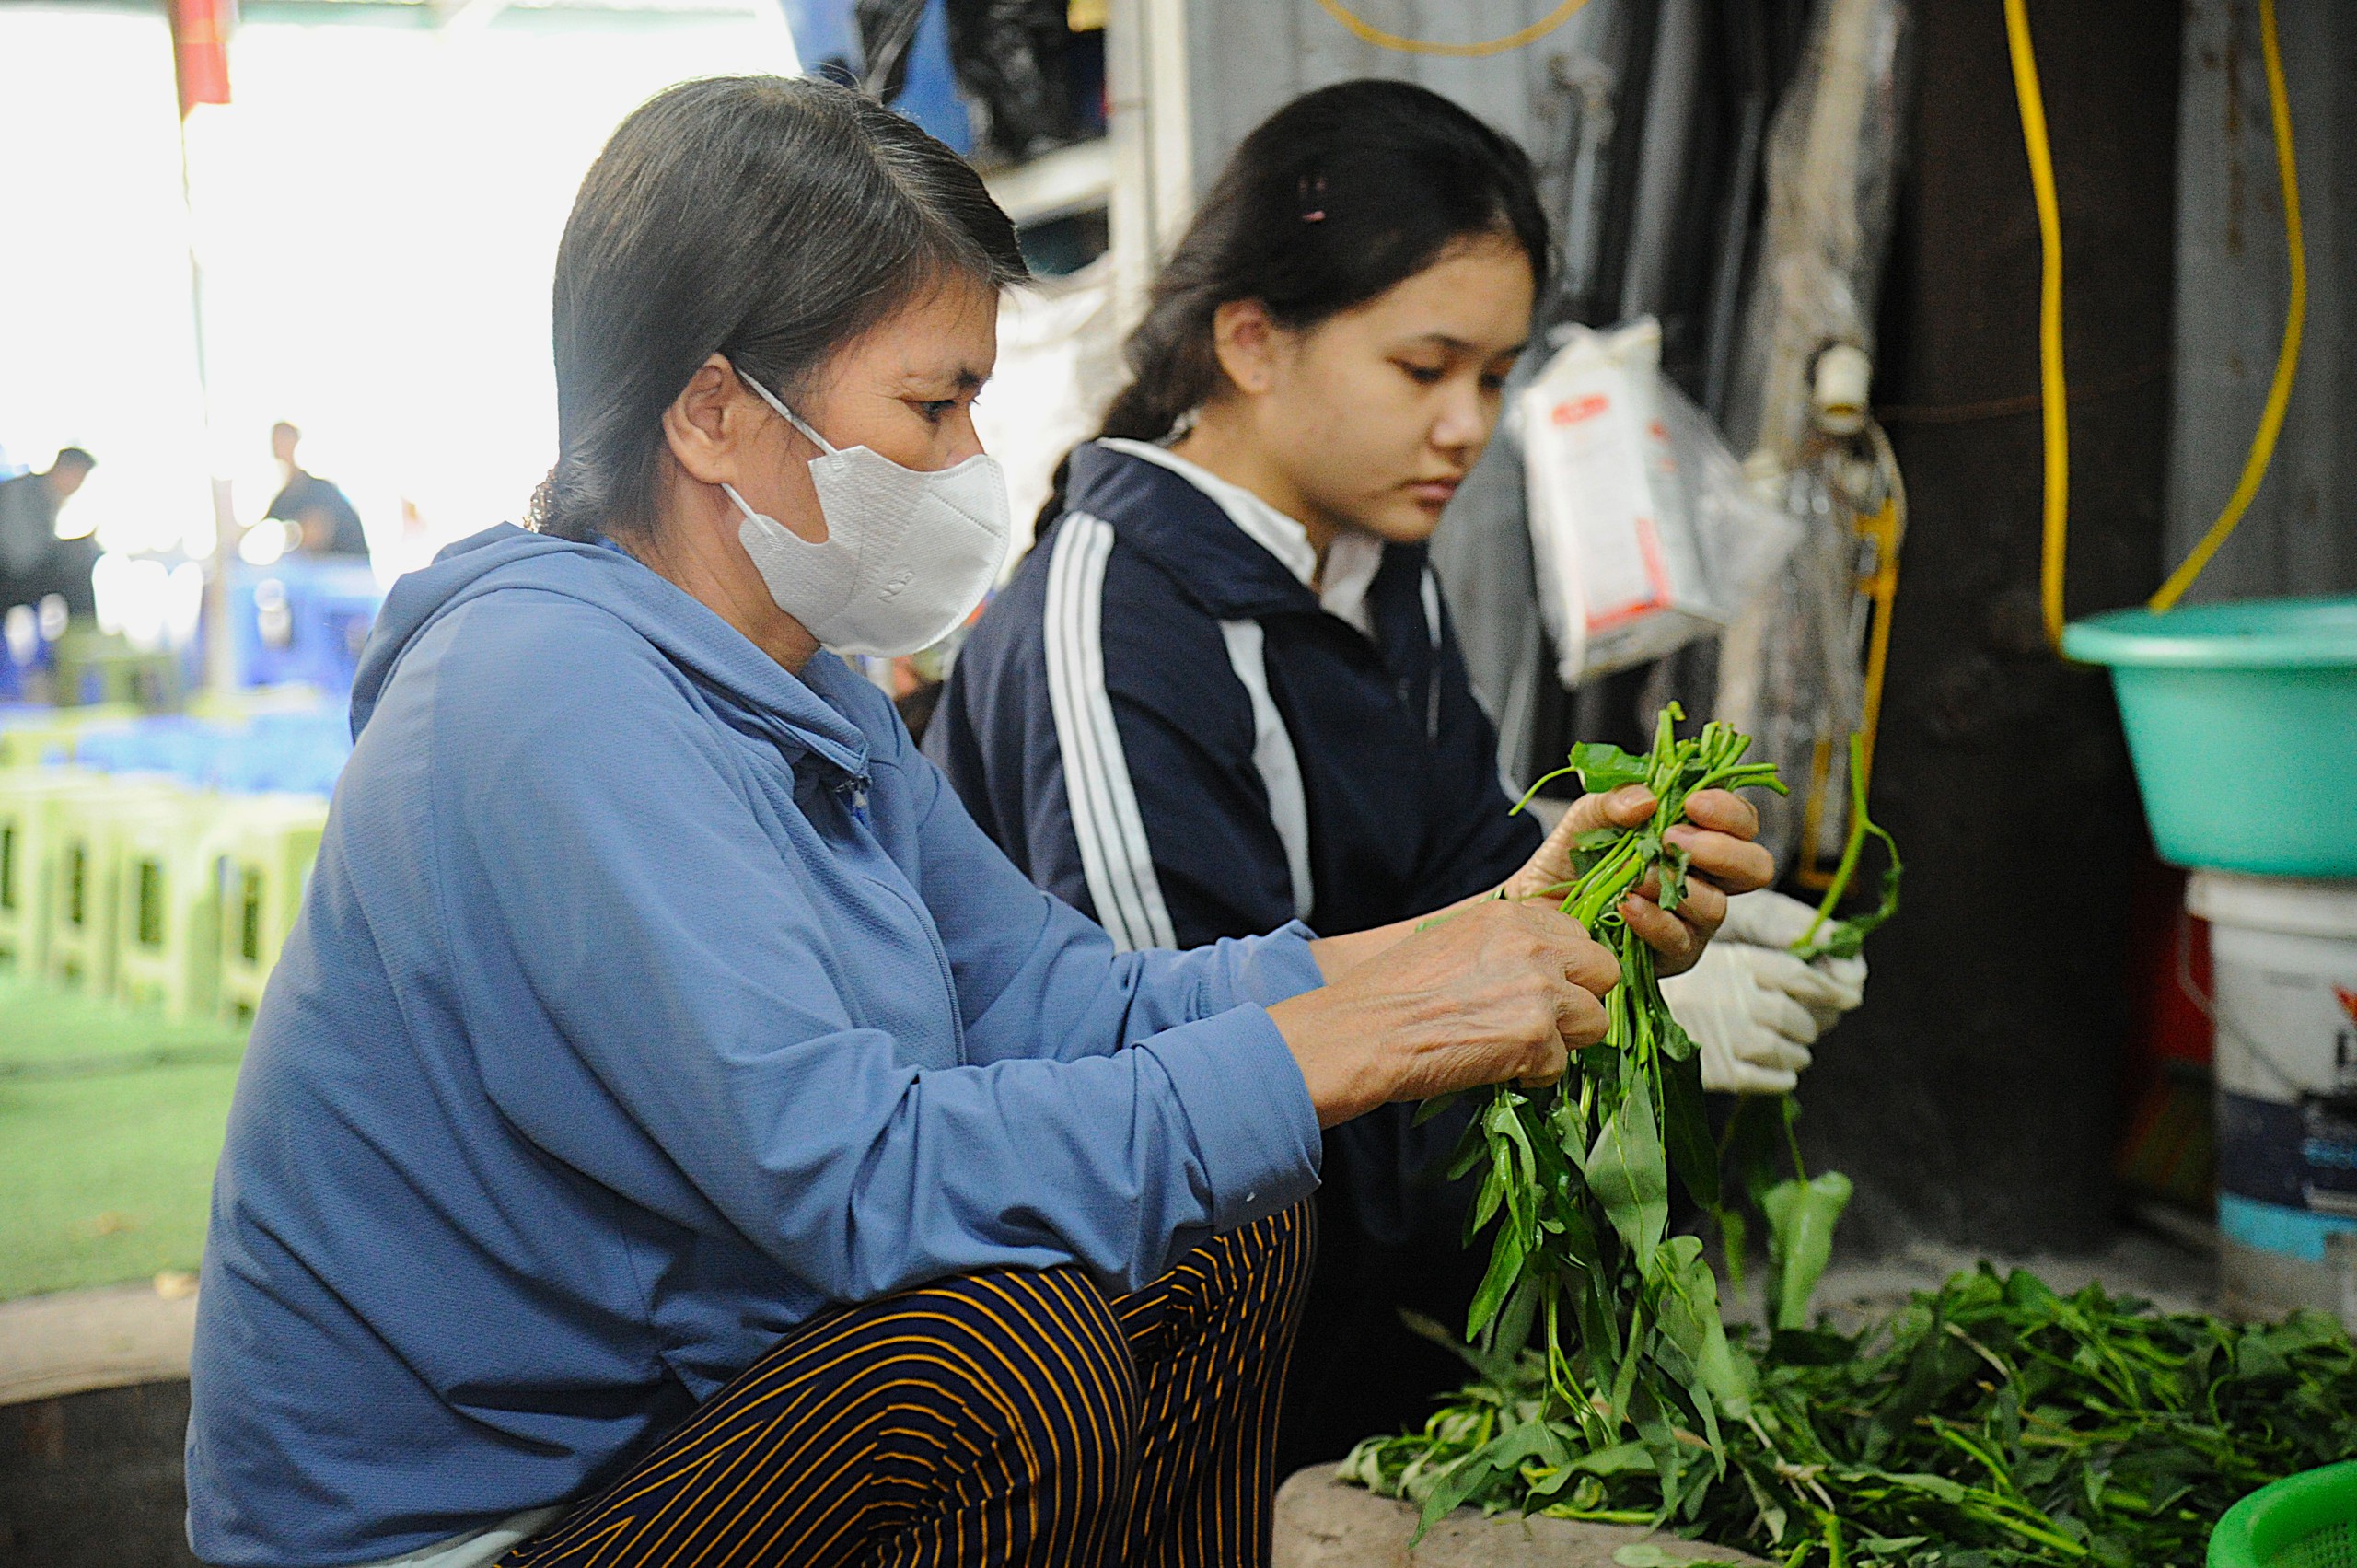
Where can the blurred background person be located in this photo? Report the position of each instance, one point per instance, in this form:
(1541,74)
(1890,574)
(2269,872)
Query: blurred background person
(35,562)
(319,515)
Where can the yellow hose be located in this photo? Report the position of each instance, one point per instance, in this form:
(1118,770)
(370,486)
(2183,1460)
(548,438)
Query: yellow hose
(2050,316)
(2051,388)
(1405,45)
(2287,358)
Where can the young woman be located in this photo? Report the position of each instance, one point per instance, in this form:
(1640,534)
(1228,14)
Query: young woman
(673,1133)
(1223,692)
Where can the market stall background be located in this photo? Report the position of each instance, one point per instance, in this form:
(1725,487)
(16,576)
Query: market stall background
(373,214)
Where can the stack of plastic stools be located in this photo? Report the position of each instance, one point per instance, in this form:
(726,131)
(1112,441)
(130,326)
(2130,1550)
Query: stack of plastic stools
(86,873)
(30,809)
(265,861)
(100,666)
(168,902)
(31,734)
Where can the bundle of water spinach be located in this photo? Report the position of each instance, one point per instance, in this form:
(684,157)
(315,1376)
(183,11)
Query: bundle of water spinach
(1991,1423)
(1621,1319)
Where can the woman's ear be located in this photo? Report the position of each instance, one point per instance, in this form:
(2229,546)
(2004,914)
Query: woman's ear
(707,422)
(1245,336)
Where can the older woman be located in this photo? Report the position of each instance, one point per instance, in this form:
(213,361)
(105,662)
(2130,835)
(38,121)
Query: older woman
(674,1132)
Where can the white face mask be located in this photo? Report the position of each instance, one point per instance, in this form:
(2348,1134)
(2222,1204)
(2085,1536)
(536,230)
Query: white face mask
(907,555)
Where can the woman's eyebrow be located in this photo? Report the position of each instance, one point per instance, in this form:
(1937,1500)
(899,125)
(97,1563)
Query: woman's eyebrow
(1460,346)
(965,378)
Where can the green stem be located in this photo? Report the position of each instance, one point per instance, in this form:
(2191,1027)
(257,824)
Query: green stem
(1851,849)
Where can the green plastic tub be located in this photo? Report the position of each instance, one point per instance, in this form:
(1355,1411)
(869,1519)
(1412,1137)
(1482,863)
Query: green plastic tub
(2242,719)
(2308,1520)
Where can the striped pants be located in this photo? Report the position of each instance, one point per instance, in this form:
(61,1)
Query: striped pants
(994,1419)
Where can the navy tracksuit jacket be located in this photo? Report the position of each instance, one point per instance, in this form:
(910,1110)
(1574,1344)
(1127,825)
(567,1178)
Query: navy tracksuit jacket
(1160,722)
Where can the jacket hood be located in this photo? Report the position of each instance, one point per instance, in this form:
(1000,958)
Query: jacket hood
(758,691)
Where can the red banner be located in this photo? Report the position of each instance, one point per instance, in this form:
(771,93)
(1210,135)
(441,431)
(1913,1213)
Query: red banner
(201,50)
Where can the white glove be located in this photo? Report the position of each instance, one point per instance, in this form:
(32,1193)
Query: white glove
(1768,919)
(1752,1008)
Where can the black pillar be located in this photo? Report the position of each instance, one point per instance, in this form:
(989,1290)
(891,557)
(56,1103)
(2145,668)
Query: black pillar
(1973,1098)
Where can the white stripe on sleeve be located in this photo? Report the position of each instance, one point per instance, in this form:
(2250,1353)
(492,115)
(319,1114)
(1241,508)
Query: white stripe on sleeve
(1114,856)
(1273,756)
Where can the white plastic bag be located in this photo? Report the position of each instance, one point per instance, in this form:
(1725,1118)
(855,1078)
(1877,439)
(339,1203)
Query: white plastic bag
(1643,534)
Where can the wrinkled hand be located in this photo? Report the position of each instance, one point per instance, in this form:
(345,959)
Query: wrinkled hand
(1495,990)
(1716,835)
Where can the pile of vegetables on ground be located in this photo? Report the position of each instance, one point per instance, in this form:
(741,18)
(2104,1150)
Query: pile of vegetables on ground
(1991,1422)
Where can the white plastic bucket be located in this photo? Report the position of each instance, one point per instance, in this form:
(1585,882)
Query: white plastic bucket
(2285,954)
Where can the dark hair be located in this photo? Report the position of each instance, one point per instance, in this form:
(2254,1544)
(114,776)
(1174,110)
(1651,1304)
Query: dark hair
(1337,197)
(74,458)
(768,219)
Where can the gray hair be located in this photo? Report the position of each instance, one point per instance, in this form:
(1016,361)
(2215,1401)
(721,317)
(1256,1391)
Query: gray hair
(769,219)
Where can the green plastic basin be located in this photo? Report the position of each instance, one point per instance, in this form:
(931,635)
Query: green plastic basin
(2242,719)
(2308,1520)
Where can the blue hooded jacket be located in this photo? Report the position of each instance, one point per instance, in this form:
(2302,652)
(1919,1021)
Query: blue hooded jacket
(648,1000)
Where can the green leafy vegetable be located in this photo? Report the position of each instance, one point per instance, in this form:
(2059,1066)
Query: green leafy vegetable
(1639,1375)
(1801,1217)
(1985,1425)
(1991,1423)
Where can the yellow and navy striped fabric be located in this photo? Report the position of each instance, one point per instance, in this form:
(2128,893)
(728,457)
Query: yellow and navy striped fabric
(1001,1418)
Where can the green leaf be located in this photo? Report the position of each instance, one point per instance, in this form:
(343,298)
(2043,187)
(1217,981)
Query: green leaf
(1687,1313)
(1935,1486)
(2256,1358)
(1485,1204)
(1497,1369)
(1503,1120)
(1686,1128)
(1434,1106)
(1603,769)
(1621,1458)
(1502,1457)
(1891,1546)
(1801,1216)
(1630,1176)
(1646,1554)
(1674,865)
(1505,1268)
(1513,1328)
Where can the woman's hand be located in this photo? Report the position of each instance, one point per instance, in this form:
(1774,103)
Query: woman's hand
(1717,835)
(1495,990)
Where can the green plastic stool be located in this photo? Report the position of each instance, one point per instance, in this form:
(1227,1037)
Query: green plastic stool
(168,904)
(83,877)
(52,739)
(90,661)
(28,830)
(2308,1520)
(265,861)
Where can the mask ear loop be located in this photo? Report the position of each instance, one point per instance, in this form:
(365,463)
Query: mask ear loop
(790,418)
(786,414)
(750,516)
